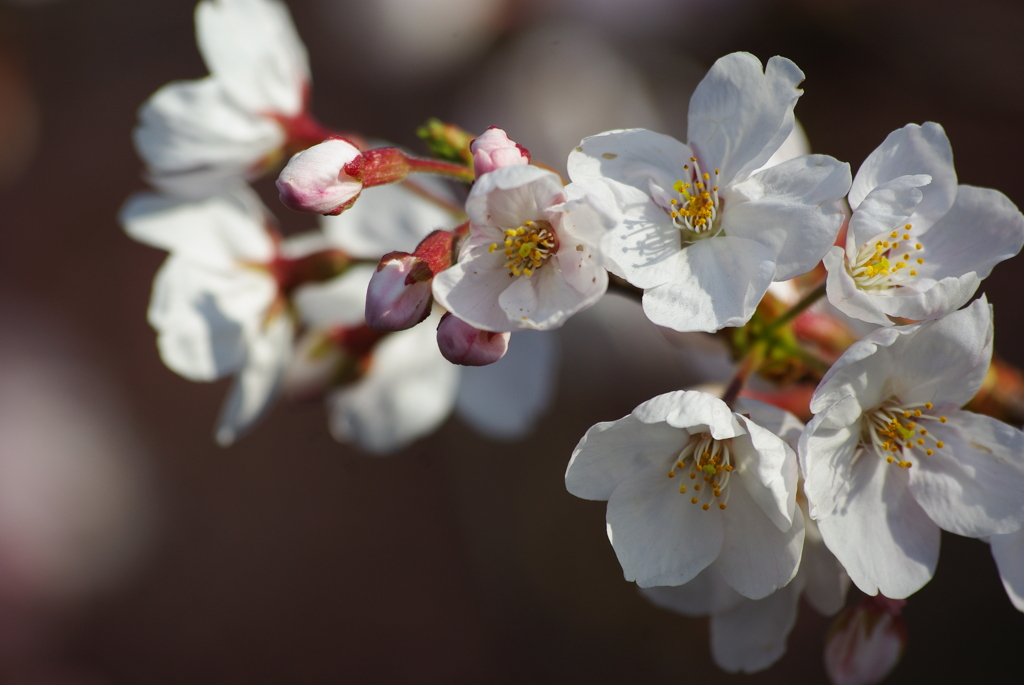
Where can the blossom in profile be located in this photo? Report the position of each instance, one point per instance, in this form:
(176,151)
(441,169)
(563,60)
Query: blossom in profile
(693,485)
(1008,551)
(494,149)
(702,227)
(197,136)
(531,260)
(749,635)
(217,302)
(918,245)
(890,458)
(866,642)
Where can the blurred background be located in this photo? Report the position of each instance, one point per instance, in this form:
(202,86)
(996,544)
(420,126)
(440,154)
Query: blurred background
(133,550)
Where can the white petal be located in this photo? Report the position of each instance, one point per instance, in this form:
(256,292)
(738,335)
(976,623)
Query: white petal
(658,536)
(504,400)
(767,467)
(880,534)
(718,283)
(982,229)
(863,371)
(739,115)
(886,208)
(612,452)
(217,232)
(643,247)
(974,484)
(826,451)
(407,393)
(825,579)
(694,411)
(634,157)
(546,300)
(770,417)
(752,636)
(844,294)
(202,317)
(470,289)
(191,128)
(945,361)
(793,209)
(390,217)
(706,594)
(912,149)
(940,299)
(510,196)
(1008,551)
(267,355)
(251,46)
(340,301)
(756,558)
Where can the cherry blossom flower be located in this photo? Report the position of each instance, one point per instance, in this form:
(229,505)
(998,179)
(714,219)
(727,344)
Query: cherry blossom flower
(750,635)
(530,261)
(217,305)
(396,387)
(692,485)
(1008,551)
(889,458)
(866,642)
(700,228)
(197,136)
(918,245)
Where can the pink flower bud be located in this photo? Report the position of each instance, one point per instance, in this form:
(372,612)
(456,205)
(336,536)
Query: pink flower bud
(494,149)
(317,180)
(463,344)
(865,642)
(398,296)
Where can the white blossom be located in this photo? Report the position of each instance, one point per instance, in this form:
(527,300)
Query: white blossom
(889,458)
(216,304)
(531,259)
(702,228)
(690,485)
(918,245)
(198,136)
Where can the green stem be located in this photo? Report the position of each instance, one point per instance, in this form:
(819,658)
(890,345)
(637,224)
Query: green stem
(748,365)
(809,299)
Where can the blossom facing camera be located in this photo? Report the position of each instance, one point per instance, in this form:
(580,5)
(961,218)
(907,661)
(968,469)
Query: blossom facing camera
(690,484)
(494,150)
(702,227)
(322,179)
(918,245)
(889,458)
(865,642)
(531,260)
(463,344)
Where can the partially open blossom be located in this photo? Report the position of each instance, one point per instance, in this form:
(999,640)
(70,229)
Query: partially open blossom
(918,245)
(690,485)
(463,344)
(865,642)
(494,149)
(217,304)
(749,635)
(701,227)
(889,458)
(318,179)
(198,137)
(399,295)
(531,259)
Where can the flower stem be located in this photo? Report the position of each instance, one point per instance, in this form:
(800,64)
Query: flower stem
(748,365)
(441,168)
(809,299)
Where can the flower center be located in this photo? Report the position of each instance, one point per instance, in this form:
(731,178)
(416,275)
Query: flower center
(528,247)
(709,464)
(895,430)
(695,211)
(879,266)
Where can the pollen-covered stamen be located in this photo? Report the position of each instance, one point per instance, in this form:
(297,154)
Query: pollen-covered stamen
(894,431)
(887,261)
(707,464)
(528,247)
(697,207)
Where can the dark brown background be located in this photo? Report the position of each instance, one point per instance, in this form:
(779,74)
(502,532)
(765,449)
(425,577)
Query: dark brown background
(290,558)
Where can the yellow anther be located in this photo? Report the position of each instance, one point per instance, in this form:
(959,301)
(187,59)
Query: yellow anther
(706,175)
(705,506)
(920,261)
(928,452)
(942,419)
(493,247)
(920,441)
(940,444)
(682,488)
(693,500)
(913,273)
(722,504)
(718,493)
(890,459)
(728,467)
(906,236)
(697,488)
(893,234)
(917,412)
(927,405)
(918,246)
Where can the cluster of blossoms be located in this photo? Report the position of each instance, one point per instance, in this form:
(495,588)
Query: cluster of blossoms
(718,504)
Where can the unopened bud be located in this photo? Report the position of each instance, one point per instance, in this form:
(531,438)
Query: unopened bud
(865,642)
(399,296)
(494,149)
(319,179)
(463,344)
